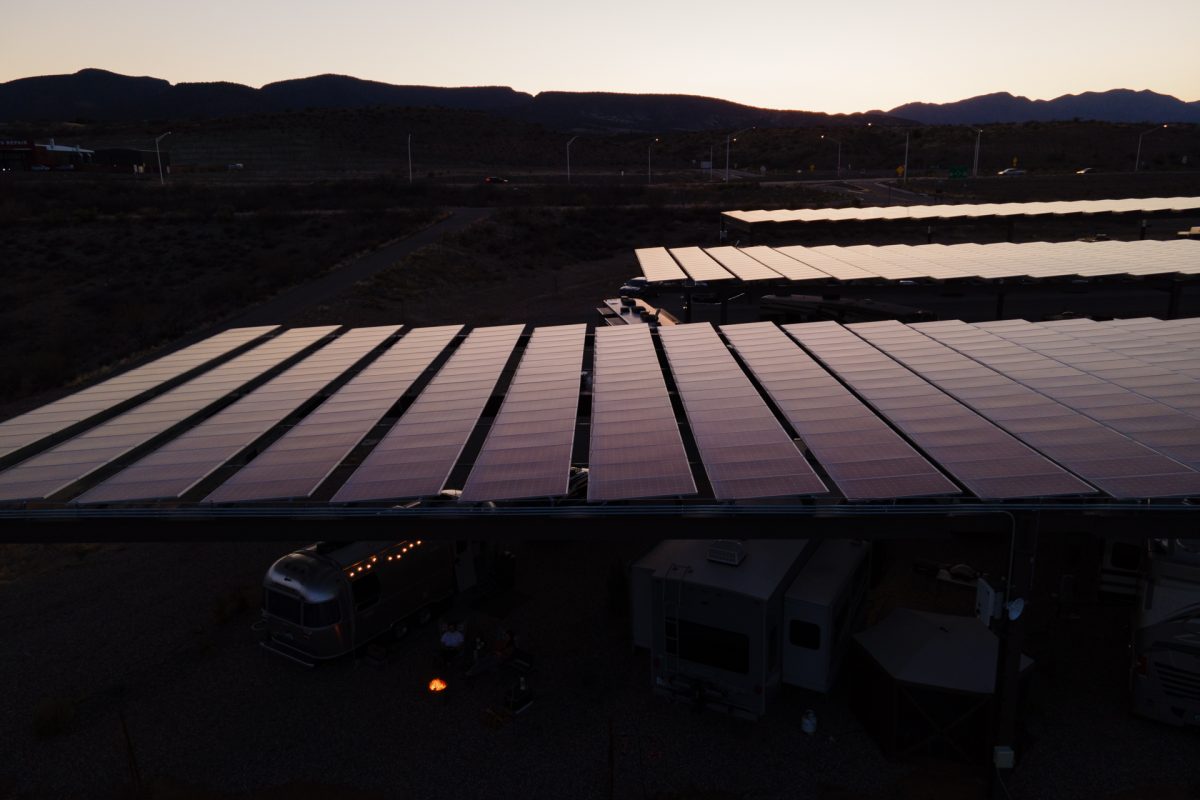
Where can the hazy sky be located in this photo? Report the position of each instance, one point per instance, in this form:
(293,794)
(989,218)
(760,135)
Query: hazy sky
(819,55)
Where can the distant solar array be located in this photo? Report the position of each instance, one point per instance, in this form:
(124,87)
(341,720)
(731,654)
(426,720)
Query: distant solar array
(814,413)
(1145,205)
(930,262)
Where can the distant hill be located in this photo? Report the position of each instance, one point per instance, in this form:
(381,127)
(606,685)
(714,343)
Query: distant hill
(1116,105)
(95,95)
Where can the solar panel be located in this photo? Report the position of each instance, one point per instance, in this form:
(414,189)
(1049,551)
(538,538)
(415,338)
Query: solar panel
(72,411)
(746,452)
(520,458)
(59,468)
(417,455)
(299,461)
(176,467)
(1155,382)
(864,457)
(1173,433)
(742,265)
(1108,460)
(657,265)
(1003,260)
(635,449)
(699,265)
(980,455)
(785,265)
(1121,206)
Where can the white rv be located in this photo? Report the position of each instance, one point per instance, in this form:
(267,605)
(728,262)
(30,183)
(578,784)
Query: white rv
(1165,674)
(820,607)
(728,622)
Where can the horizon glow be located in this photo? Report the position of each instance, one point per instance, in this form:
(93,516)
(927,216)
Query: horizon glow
(766,53)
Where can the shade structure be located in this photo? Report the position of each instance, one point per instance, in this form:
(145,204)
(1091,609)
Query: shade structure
(635,449)
(527,452)
(931,262)
(296,464)
(189,458)
(418,453)
(1144,205)
(57,470)
(814,415)
(746,452)
(62,415)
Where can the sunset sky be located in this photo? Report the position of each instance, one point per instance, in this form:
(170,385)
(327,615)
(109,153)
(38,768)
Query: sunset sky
(819,56)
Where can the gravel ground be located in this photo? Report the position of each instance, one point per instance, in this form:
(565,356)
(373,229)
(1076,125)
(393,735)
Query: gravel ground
(160,635)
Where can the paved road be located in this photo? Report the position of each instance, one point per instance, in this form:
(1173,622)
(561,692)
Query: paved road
(290,302)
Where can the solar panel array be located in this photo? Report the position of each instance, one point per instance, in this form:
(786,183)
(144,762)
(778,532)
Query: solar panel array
(929,262)
(980,455)
(42,423)
(635,449)
(864,457)
(55,470)
(417,455)
(1159,427)
(176,467)
(1115,464)
(299,461)
(527,452)
(1122,369)
(930,212)
(699,265)
(746,452)
(657,265)
(998,411)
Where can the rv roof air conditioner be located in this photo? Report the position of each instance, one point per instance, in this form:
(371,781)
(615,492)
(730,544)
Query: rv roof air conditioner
(727,551)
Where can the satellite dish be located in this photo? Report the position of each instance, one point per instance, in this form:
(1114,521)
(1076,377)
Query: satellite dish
(1015,607)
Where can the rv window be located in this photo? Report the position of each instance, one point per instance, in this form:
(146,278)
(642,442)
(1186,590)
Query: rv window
(805,634)
(713,647)
(282,605)
(321,615)
(366,591)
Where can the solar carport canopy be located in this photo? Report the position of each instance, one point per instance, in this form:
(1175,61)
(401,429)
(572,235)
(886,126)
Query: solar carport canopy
(1144,205)
(930,262)
(815,413)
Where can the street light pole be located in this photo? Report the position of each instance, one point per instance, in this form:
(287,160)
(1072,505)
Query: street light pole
(158,155)
(573,138)
(410,158)
(648,149)
(710,163)
(839,154)
(904,179)
(732,138)
(975,169)
(1137,160)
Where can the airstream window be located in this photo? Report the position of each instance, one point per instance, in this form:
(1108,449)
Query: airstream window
(283,606)
(321,615)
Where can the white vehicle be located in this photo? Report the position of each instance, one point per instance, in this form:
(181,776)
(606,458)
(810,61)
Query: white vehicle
(727,622)
(1165,675)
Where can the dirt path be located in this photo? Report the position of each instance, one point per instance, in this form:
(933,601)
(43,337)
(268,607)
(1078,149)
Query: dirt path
(289,303)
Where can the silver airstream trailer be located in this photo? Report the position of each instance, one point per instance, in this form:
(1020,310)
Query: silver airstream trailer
(327,599)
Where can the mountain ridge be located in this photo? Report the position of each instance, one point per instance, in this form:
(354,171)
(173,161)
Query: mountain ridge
(101,95)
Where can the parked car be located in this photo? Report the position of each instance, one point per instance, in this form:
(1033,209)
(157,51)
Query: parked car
(1011,171)
(634,287)
(494,179)
(1085,171)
